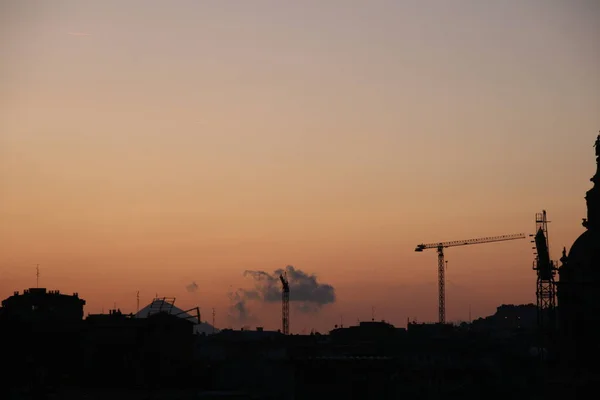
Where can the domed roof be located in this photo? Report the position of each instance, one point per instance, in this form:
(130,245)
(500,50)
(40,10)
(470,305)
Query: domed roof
(585,251)
(199,326)
(583,262)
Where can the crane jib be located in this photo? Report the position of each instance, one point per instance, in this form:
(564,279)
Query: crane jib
(470,241)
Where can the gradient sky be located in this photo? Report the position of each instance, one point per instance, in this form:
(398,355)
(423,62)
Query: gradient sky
(148,144)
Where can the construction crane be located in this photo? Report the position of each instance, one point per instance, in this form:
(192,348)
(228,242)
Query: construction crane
(285,305)
(441,264)
(546,290)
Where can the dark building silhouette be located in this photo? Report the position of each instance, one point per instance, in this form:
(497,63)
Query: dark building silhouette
(40,336)
(168,305)
(160,352)
(367,331)
(377,360)
(508,319)
(579,285)
(38,305)
(47,344)
(247,361)
(123,350)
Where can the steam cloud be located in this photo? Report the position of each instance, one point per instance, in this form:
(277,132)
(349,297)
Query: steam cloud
(239,312)
(308,294)
(192,287)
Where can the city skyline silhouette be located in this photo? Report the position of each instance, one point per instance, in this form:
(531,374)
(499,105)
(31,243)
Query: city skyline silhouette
(161,145)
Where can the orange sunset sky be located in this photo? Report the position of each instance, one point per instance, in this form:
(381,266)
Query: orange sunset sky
(146,145)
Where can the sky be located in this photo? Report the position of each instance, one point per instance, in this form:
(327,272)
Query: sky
(146,146)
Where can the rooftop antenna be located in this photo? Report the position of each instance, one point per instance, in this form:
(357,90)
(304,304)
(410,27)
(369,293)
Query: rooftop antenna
(37,276)
(213,321)
(138,302)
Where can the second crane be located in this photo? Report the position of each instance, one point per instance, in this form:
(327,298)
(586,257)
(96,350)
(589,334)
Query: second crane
(285,304)
(441,264)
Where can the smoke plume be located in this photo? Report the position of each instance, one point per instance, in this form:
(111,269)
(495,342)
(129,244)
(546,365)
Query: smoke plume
(238,311)
(308,294)
(192,287)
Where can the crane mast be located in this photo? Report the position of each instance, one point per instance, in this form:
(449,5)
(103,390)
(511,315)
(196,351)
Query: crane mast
(285,305)
(441,286)
(442,264)
(546,290)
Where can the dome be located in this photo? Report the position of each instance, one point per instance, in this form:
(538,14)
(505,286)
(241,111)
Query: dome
(162,304)
(584,258)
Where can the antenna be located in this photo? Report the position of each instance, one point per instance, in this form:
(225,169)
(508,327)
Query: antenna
(138,302)
(37,276)
(213,322)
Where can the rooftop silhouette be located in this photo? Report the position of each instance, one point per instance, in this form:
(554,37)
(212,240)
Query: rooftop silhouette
(52,348)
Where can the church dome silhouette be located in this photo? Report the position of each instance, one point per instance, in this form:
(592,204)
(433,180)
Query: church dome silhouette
(584,257)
